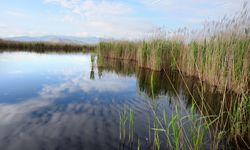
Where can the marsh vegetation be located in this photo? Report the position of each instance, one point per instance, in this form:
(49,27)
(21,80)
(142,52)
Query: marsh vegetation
(210,119)
(219,53)
(216,56)
(44,46)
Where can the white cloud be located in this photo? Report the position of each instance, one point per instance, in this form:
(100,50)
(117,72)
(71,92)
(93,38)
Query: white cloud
(91,8)
(103,18)
(117,18)
(196,11)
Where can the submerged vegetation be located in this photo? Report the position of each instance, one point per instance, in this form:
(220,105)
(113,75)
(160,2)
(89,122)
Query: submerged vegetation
(218,54)
(44,46)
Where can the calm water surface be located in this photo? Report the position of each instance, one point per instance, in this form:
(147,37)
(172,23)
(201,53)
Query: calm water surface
(64,101)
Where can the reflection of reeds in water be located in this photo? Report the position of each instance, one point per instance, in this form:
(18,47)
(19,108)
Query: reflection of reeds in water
(155,83)
(92,72)
(147,80)
(125,67)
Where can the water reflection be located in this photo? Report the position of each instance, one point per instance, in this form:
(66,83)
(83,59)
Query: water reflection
(168,82)
(178,90)
(73,100)
(72,111)
(92,72)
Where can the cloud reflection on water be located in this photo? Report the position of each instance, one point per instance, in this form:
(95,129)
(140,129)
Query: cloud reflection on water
(50,93)
(42,122)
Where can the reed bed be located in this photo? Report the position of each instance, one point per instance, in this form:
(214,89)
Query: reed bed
(219,53)
(121,50)
(44,46)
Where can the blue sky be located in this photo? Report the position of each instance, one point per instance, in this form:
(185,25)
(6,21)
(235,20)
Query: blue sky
(107,18)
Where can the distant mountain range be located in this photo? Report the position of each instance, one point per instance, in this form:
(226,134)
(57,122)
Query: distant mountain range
(56,39)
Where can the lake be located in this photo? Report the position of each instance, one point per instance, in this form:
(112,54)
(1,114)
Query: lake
(75,101)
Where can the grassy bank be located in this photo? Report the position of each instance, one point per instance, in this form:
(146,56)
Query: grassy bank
(44,46)
(218,54)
